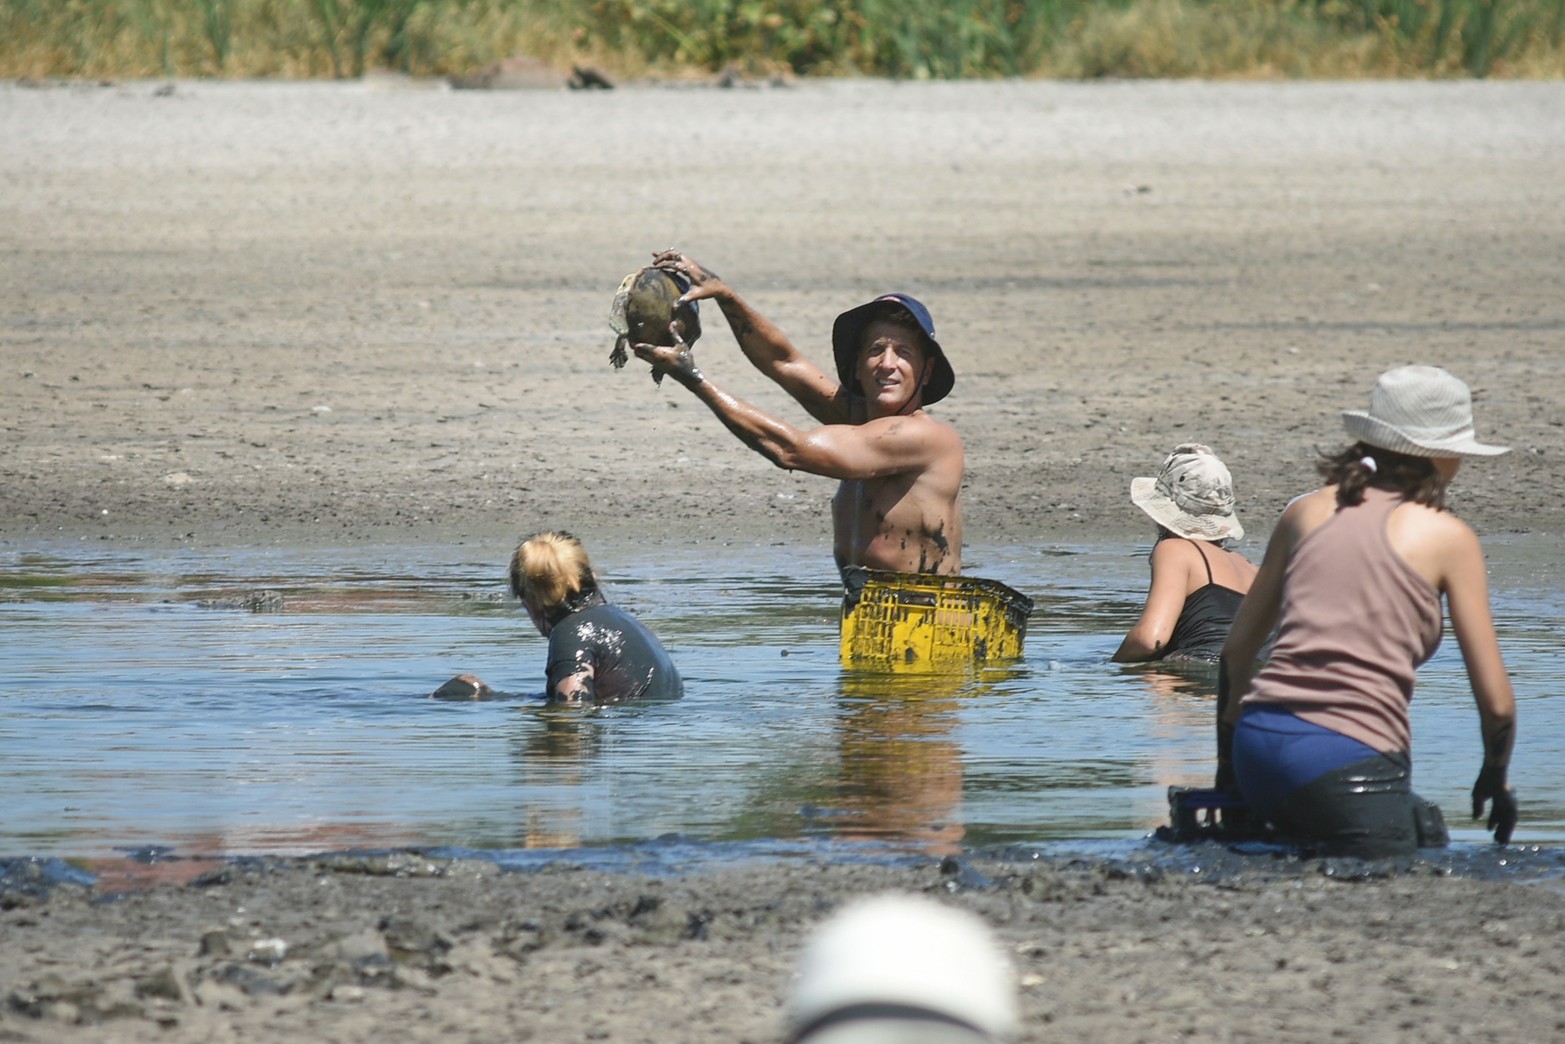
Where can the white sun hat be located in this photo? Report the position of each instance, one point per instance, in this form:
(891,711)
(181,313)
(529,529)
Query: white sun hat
(1191,496)
(900,969)
(1422,411)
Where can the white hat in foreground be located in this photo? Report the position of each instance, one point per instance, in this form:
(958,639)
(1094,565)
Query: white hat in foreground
(1422,411)
(903,970)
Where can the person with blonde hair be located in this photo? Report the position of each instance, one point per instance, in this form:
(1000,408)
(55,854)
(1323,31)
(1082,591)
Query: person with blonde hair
(597,651)
(1320,744)
(1198,580)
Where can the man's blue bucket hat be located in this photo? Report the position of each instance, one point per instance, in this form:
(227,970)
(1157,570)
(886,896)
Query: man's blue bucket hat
(847,335)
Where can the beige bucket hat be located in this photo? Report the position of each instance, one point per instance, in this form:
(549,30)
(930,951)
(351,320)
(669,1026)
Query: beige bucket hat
(1192,495)
(1422,411)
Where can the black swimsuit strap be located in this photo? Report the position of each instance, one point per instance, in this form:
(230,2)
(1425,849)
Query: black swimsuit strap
(1204,559)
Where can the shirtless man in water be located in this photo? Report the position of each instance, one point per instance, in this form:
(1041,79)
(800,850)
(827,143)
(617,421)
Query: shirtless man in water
(900,469)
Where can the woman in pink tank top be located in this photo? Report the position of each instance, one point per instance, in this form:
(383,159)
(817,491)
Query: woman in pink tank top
(1354,576)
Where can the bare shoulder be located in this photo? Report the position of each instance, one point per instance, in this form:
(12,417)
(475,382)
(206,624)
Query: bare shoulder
(1238,559)
(1440,546)
(1425,524)
(1179,558)
(1170,550)
(917,425)
(943,429)
(1432,518)
(925,417)
(1307,511)
(1243,568)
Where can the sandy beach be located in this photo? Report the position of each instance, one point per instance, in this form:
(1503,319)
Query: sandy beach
(323,314)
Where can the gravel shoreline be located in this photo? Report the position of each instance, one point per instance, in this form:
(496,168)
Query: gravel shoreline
(402,947)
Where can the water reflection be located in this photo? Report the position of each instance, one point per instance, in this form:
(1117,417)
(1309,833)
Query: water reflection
(555,753)
(1177,680)
(900,766)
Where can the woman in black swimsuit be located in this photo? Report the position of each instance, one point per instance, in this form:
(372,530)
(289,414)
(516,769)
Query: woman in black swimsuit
(1197,581)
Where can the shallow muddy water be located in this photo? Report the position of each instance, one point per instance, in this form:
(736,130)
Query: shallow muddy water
(146,709)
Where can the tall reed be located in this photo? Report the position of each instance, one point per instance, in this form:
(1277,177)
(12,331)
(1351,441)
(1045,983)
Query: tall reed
(896,38)
(1473,36)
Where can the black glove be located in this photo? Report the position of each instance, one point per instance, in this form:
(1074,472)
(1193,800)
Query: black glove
(1226,780)
(1225,734)
(1502,812)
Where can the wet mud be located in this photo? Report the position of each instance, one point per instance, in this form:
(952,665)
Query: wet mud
(1195,943)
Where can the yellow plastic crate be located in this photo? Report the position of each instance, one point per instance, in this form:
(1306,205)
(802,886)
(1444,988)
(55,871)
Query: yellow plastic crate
(905,621)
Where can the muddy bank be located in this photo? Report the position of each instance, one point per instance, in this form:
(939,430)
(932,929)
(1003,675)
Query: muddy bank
(408,948)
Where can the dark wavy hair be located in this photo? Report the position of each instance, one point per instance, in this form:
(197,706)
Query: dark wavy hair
(1414,477)
(899,316)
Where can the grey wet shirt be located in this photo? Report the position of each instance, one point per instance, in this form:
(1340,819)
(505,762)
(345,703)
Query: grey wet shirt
(628,662)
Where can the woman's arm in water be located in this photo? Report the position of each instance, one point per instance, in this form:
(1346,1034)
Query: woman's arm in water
(575,686)
(1165,601)
(1467,597)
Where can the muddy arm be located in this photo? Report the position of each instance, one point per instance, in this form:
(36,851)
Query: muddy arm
(762,341)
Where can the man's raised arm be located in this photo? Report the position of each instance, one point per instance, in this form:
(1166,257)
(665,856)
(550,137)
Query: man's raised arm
(887,446)
(762,342)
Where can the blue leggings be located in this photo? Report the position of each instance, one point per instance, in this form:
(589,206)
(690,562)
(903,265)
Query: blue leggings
(1318,785)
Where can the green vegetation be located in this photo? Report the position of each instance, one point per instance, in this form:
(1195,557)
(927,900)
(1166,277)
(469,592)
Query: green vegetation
(895,38)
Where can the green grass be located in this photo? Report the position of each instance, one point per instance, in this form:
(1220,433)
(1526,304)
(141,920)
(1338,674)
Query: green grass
(911,39)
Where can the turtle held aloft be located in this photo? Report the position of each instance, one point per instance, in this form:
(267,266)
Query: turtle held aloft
(643,309)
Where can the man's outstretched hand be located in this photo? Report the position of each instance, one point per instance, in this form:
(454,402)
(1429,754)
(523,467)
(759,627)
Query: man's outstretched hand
(676,359)
(703,282)
(1491,788)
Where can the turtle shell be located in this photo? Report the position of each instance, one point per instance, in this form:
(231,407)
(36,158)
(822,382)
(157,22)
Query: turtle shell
(644,306)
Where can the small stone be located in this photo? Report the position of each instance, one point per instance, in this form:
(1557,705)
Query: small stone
(164,983)
(214,943)
(415,944)
(268,951)
(219,995)
(360,947)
